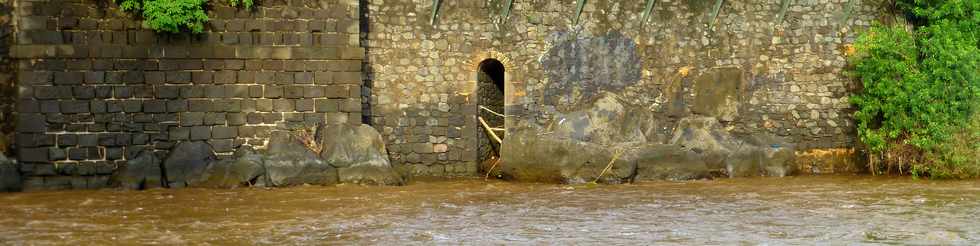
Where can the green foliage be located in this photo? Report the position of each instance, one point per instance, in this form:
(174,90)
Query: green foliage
(244,3)
(920,86)
(174,16)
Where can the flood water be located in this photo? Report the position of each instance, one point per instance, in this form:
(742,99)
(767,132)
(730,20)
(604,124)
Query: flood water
(794,210)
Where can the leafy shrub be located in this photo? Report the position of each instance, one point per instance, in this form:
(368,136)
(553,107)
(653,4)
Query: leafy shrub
(920,88)
(174,16)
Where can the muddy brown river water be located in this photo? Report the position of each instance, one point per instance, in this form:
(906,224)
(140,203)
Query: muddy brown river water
(796,210)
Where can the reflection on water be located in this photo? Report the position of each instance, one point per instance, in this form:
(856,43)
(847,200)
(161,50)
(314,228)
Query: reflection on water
(848,210)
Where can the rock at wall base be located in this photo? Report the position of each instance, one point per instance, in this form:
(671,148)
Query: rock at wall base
(370,175)
(10,177)
(142,172)
(187,163)
(244,169)
(345,146)
(289,162)
(669,162)
(527,156)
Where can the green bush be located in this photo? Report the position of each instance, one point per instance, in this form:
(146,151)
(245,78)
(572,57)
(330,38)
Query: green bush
(920,87)
(174,16)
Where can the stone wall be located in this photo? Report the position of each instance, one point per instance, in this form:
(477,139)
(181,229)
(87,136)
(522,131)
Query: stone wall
(748,69)
(8,89)
(96,88)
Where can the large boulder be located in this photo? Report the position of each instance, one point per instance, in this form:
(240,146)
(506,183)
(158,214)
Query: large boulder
(345,146)
(10,177)
(289,162)
(607,122)
(359,153)
(754,155)
(142,172)
(243,169)
(668,162)
(187,162)
(527,156)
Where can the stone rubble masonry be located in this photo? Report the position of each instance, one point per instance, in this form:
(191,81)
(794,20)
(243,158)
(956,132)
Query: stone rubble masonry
(96,88)
(422,76)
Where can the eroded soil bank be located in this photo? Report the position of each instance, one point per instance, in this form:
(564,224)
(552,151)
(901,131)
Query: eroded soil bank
(806,210)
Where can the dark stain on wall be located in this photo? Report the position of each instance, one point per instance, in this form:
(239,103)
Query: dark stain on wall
(580,68)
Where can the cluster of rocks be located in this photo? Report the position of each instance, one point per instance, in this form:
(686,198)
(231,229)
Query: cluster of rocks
(348,154)
(631,144)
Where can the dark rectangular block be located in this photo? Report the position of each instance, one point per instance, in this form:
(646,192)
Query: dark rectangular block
(200,133)
(214,119)
(304,78)
(304,105)
(155,106)
(50,106)
(32,154)
(31,123)
(294,92)
(202,77)
(175,106)
(283,105)
(336,91)
(179,133)
(199,105)
(225,77)
(192,118)
(191,92)
(327,105)
(224,132)
(235,119)
(178,77)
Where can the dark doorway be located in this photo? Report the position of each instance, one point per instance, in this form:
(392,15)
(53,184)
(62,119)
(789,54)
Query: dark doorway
(490,92)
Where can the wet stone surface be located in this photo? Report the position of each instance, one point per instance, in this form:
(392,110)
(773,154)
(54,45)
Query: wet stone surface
(795,210)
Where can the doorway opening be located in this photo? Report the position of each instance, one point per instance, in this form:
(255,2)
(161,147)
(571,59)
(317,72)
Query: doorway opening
(490,100)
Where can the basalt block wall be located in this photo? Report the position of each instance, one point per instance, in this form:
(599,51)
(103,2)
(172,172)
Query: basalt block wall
(95,88)
(753,69)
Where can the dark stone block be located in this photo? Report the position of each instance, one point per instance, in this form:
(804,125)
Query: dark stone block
(178,77)
(283,105)
(202,77)
(304,105)
(223,132)
(294,92)
(215,91)
(235,119)
(50,106)
(273,92)
(191,92)
(200,133)
(214,119)
(225,77)
(180,133)
(68,78)
(113,153)
(154,106)
(55,154)
(53,92)
(130,106)
(191,118)
(31,123)
(199,105)
(84,92)
(167,92)
(94,77)
(175,106)
(32,154)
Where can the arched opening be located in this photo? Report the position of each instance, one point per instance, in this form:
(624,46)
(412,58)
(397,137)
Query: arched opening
(490,99)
